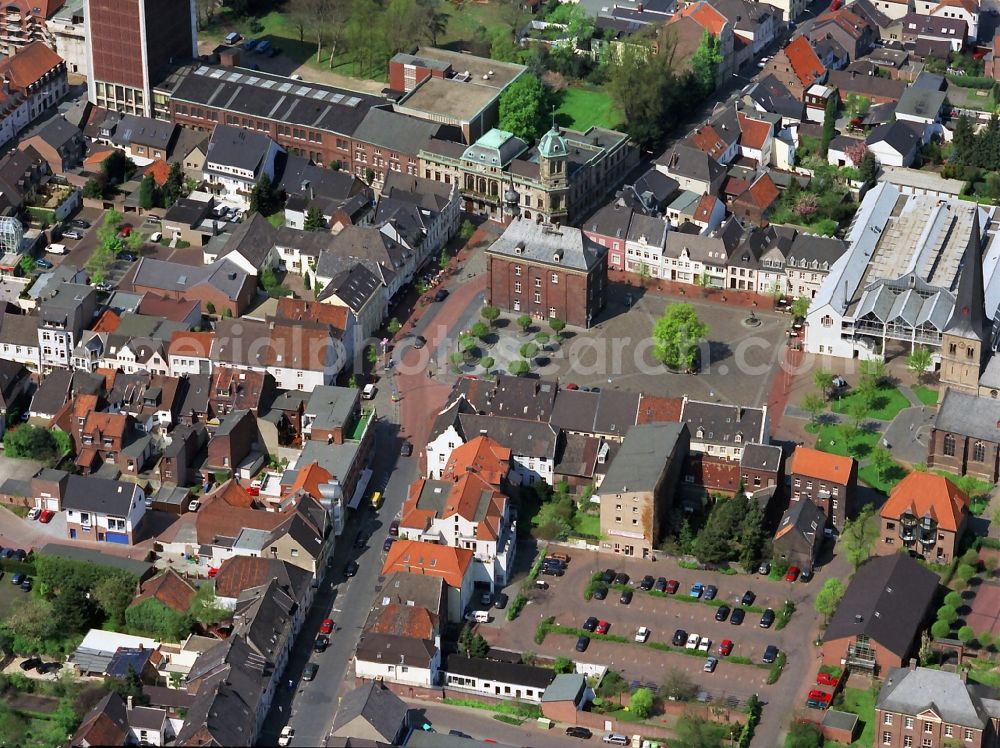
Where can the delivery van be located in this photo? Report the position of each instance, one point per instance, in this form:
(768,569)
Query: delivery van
(57,249)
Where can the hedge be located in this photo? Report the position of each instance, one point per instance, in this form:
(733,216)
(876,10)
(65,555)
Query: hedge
(971,81)
(14,566)
(776,668)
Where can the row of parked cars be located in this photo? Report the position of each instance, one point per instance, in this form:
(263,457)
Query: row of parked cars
(42,515)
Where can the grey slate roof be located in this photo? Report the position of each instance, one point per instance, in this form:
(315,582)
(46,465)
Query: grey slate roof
(692,163)
(915,691)
(237,148)
(612,220)
(761,457)
(396,132)
(812,247)
(566,687)
(721,423)
(557,247)
(355,284)
(500,672)
(374,703)
(972,416)
(528,438)
(390,648)
(921,101)
(253,239)
(331,406)
(900,135)
(223,275)
(887,600)
(144,131)
(18,329)
(610,412)
(99,495)
(642,458)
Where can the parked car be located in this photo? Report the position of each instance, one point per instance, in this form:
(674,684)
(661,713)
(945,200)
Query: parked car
(770,654)
(647,583)
(602,627)
(680,636)
(711,591)
(46,516)
(72,234)
(501,601)
(233,38)
(626,597)
(582,643)
(285,738)
(327,626)
(600,593)
(394,528)
(697,589)
(124,230)
(388,544)
(406,450)
(556,556)
(725,647)
(825,679)
(642,635)
(737,616)
(128,256)
(722,613)
(56,249)
(26,585)
(321,643)
(194,505)
(262,47)
(792,574)
(419,341)
(48,667)
(692,641)
(661,584)
(30,664)
(816,704)
(616,738)
(43,263)
(705,644)
(621,578)
(710,665)
(274,51)
(553,571)
(672,586)
(441,295)
(748,598)
(20,554)
(80,223)
(309,671)
(34,514)
(805,575)
(766,619)
(575,731)
(249,45)
(351,569)
(608,576)
(104,286)
(819,695)
(764,568)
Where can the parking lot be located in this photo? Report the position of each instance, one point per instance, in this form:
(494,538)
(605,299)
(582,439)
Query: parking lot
(663,615)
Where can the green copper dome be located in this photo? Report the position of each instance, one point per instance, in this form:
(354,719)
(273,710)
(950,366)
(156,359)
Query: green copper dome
(552,144)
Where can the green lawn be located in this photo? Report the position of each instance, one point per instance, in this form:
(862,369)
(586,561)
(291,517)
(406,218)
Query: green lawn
(831,439)
(862,703)
(587,524)
(581,108)
(888,401)
(887,481)
(462,24)
(926,395)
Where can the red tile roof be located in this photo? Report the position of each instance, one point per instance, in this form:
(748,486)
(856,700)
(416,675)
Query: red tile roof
(159,170)
(175,310)
(107,322)
(197,344)
(705,207)
(302,310)
(705,16)
(821,465)
(429,559)
(481,455)
(654,409)
(923,494)
(170,589)
(804,61)
(406,620)
(309,479)
(28,65)
(707,140)
(94,160)
(754,132)
(970,6)
(762,192)
(853,24)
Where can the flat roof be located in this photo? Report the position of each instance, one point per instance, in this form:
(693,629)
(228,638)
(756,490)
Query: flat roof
(457,100)
(498,74)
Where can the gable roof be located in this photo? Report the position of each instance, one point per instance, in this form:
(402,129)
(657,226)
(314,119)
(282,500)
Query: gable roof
(375,704)
(754,133)
(887,600)
(821,465)
(416,557)
(927,494)
(239,573)
(805,63)
(802,518)
(913,692)
(105,724)
(900,135)
(28,64)
(99,495)
(642,459)
(169,588)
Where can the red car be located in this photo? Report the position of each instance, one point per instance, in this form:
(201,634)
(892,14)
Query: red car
(725,647)
(46,516)
(327,626)
(817,695)
(825,679)
(672,586)
(125,230)
(793,574)
(212,572)
(602,627)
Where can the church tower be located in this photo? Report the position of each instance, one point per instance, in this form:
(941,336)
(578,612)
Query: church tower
(965,342)
(553,172)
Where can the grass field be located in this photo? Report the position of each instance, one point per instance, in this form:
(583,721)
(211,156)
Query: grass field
(926,395)
(862,703)
(587,524)
(886,404)
(831,439)
(581,108)
(885,482)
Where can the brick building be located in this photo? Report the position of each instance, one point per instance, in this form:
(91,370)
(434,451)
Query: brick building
(925,515)
(966,434)
(828,480)
(547,271)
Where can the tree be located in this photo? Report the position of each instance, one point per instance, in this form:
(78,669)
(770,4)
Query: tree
(947,614)
(263,198)
(393,327)
(490,314)
(642,81)
(94,188)
(800,307)
(828,598)
(29,442)
(117,167)
(804,734)
(523,107)
(859,536)
(873,373)
(487,362)
(985,639)
(72,608)
(677,335)
(205,607)
(113,596)
(129,685)
(153,618)
(926,652)
(753,537)
(953,599)
(964,140)
(919,361)
(858,409)
(13,727)
(868,168)
(542,339)
(174,187)
(641,703)
(466,230)
(480,330)
(829,124)
(814,405)
(519,368)
(556,325)
(147,192)
(966,634)
(823,381)
(678,686)
(528,351)
(315,220)
(881,458)
(940,629)
(705,63)
(524,322)
(965,572)
(562,665)
(697,732)
(472,644)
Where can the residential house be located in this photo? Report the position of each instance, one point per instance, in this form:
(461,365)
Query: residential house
(761,468)
(64,312)
(34,82)
(963,10)
(768,94)
(896,143)
(182,311)
(103,511)
(878,622)
(239,573)
(851,31)
(19,339)
(143,139)
(60,387)
(609,227)
(15,382)
(754,205)
(650,192)
(61,144)
(877,89)
(937,35)
(453,565)
(169,589)
(191,219)
(800,534)
(101,438)
(693,169)
(724,430)
(234,445)
(105,724)
(340,318)
(340,197)
(638,488)
(372,712)
(331,413)
(190,352)
(809,261)
(796,66)
(936,707)
(222,287)
(181,459)
(829,481)
(566,696)
(497,679)
(925,515)
(355,285)
(434,208)
(237,159)
(251,246)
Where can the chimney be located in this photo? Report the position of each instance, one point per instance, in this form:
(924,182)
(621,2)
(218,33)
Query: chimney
(913,664)
(128,702)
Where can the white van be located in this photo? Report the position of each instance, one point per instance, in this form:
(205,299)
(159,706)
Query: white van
(155,237)
(368,393)
(57,249)
(482,616)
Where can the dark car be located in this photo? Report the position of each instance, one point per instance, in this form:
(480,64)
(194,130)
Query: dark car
(766,619)
(680,636)
(419,341)
(30,664)
(770,654)
(20,554)
(600,593)
(554,563)
(722,613)
(441,295)
(748,598)
(361,540)
(43,263)
(608,576)
(711,591)
(388,544)
(17,578)
(309,671)
(406,450)
(621,578)
(553,571)
(128,256)
(48,667)
(806,575)
(80,223)
(575,731)
(661,584)
(351,569)
(647,583)
(26,585)
(737,617)
(626,597)
(274,51)
(394,528)
(501,601)
(590,624)
(321,643)
(582,643)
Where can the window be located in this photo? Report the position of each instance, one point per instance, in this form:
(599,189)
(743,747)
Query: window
(552,312)
(908,723)
(555,277)
(967,734)
(979,452)
(949,445)
(949,731)
(538,282)
(927,742)
(928,727)
(887,719)
(517,270)
(517,305)
(538,298)
(886,738)
(517,286)
(907,741)
(295,552)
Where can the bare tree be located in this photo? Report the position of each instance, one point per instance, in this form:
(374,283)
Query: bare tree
(205,12)
(301,14)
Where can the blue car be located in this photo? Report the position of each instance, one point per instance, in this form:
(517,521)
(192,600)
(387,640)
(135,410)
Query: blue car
(249,45)
(697,589)
(262,47)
